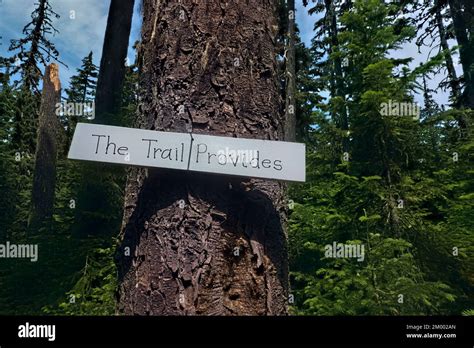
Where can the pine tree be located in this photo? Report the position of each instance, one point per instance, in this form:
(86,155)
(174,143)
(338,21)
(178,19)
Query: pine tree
(31,54)
(35,48)
(81,90)
(83,85)
(368,196)
(331,70)
(9,198)
(431,23)
(435,34)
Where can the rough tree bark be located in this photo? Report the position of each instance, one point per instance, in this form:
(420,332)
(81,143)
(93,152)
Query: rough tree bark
(112,63)
(290,103)
(201,243)
(44,177)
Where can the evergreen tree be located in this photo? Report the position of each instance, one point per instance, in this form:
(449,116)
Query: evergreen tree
(83,85)
(31,54)
(81,89)
(35,48)
(399,186)
(366,196)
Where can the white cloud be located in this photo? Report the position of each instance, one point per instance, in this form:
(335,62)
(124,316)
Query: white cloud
(76,37)
(81,29)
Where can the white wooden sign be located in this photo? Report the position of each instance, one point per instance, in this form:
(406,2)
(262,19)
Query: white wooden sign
(188,151)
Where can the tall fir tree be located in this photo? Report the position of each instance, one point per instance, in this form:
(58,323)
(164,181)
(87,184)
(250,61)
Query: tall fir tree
(30,55)
(81,90)
(35,49)
(82,87)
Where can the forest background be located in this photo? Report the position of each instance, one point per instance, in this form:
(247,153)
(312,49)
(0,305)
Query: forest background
(399,185)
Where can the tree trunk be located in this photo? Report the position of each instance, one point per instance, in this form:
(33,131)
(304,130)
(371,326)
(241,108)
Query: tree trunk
(462,30)
(112,63)
(94,209)
(290,103)
(342,121)
(452,75)
(44,177)
(199,243)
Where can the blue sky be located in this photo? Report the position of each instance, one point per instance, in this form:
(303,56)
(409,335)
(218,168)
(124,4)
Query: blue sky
(82,26)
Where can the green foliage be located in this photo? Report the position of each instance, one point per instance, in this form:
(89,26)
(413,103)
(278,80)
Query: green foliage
(400,187)
(94,291)
(83,84)
(38,287)
(403,190)
(388,283)
(35,48)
